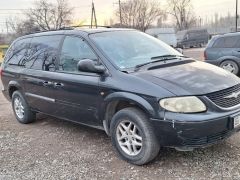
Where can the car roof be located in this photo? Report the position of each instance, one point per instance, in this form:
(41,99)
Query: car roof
(192,30)
(77,31)
(216,37)
(229,34)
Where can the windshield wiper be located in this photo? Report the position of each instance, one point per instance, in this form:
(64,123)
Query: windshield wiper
(165,57)
(159,59)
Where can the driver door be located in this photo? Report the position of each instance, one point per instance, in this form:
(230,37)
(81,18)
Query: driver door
(77,93)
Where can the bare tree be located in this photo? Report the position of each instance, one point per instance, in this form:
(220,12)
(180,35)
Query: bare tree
(182,12)
(47,15)
(43,16)
(140,14)
(21,27)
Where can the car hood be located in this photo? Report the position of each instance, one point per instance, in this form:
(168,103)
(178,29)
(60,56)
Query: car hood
(195,78)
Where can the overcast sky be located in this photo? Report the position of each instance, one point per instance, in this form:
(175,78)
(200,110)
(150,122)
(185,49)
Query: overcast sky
(105,8)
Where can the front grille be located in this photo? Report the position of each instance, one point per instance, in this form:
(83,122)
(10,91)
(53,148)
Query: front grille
(195,142)
(219,97)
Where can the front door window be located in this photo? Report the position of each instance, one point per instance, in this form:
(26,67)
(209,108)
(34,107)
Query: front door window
(74,49)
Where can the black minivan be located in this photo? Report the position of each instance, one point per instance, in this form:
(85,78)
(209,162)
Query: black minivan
(140,91)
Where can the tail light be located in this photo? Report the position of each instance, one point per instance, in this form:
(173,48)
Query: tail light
(205,55)
(1,71)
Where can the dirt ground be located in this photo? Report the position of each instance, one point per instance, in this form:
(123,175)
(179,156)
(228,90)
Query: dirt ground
(196,53)
(54,149)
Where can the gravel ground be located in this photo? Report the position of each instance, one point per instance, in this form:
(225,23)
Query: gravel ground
(54,149)
(196,53)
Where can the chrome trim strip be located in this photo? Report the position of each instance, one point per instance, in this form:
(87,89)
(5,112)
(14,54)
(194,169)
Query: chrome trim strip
(40,97)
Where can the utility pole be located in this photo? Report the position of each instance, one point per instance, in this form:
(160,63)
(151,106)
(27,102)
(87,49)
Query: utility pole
(7,26)
(236,15)
(93,16)
(120,12)
(200,21)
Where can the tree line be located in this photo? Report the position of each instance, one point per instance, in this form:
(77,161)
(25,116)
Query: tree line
(139,14)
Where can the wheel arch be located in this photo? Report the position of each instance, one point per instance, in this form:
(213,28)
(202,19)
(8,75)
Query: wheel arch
(120,100)
(229,58)
(13,86)
(233,59)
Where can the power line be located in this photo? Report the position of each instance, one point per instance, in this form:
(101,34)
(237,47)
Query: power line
(16,9)
(12,13)
(12,9)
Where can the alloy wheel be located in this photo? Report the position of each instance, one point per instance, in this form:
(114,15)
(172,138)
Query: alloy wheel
(229,67)
(18,107)
(129,138)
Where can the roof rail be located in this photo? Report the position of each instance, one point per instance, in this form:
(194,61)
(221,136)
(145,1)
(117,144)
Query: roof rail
(69,28)
(90,26)
(40,31)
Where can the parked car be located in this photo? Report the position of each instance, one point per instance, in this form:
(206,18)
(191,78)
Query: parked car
(140,91)
(192,38)
(3,49)
(166,35)
(224,51)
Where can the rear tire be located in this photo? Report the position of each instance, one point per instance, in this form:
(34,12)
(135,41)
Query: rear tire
(21,109)
(133,136)
(230,66)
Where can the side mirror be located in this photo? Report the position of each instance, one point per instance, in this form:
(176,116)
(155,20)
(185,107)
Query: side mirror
(88,65)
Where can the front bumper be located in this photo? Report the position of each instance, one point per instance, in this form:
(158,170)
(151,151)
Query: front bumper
(194,130)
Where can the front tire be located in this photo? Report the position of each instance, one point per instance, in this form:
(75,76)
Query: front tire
(21,109)
(133,136)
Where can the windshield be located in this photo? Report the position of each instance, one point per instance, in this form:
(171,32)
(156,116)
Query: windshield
(127,49)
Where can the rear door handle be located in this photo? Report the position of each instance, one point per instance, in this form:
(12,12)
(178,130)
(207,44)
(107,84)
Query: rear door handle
(58,84)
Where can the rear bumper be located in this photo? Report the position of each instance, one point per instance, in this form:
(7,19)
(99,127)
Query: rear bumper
(214,62)
(181,133)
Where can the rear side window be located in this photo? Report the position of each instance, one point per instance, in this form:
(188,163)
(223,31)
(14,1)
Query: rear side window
(43,53)
(226,42)
(17,53)
(230,42)
(219,43)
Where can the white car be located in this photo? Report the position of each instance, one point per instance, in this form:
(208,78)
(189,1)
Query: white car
(166,35)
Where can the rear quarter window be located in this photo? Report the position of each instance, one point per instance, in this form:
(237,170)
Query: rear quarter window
(226,42)
(16,55)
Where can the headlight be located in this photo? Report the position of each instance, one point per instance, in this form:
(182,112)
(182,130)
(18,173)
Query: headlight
(190,104)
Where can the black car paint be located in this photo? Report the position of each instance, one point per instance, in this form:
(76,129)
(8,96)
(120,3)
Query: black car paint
(87,98)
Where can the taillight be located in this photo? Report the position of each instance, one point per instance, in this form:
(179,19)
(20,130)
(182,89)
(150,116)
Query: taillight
(205,55)
(1,71)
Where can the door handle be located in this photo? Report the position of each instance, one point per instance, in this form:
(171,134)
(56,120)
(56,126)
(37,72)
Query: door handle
(58,84)
(47,83)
